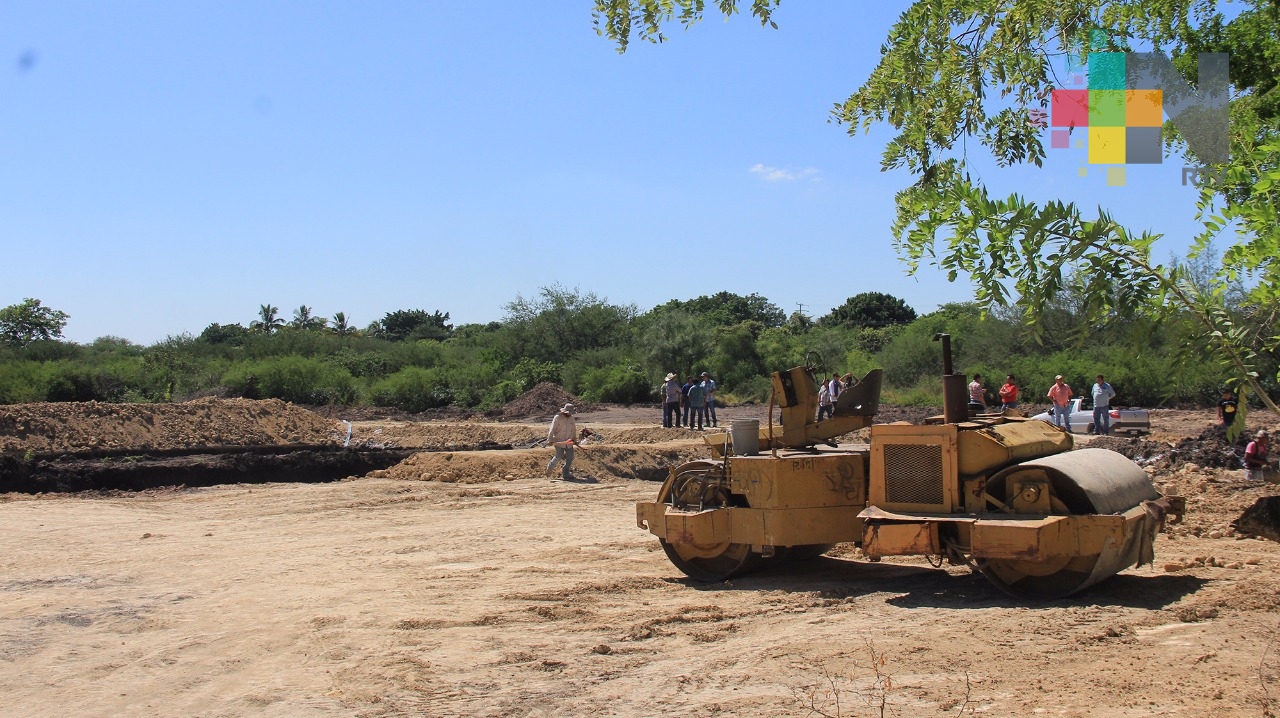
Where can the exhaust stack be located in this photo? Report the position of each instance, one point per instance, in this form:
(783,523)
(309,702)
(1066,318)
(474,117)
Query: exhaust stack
(955,392)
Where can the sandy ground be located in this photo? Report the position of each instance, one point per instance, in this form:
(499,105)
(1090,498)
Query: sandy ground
(522,596)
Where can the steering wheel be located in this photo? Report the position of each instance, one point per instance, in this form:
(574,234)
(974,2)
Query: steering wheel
(813,362)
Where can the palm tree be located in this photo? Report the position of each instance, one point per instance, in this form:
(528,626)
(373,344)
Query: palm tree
(340,325)
(302,319)
(267,321)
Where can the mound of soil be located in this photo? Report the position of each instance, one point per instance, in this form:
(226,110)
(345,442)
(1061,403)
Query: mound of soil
(1261,519)
(74,427)
(623,461)
(889,413)
(542,401)
(389,413)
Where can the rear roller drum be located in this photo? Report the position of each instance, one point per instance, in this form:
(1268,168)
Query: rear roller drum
(717,562)
(726,560)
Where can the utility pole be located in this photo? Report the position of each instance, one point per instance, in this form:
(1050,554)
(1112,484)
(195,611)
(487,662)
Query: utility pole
(801,306)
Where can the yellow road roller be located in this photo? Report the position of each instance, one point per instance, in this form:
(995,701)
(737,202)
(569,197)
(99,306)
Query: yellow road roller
(1003,494)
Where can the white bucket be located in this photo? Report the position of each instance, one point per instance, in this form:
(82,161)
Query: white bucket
(745,434)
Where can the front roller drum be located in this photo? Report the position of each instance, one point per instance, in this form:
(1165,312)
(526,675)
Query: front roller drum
(1087,481)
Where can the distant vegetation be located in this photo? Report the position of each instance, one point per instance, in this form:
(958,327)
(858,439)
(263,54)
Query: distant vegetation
(416,359)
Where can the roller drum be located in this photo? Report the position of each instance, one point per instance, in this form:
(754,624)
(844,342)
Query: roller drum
(1087,481)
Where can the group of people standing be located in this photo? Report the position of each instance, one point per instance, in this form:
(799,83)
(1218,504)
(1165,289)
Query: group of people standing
(689,404)
(829,391)
(1059,395)
(1008,393)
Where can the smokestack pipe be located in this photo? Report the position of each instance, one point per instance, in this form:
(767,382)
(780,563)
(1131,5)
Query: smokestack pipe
(955,393)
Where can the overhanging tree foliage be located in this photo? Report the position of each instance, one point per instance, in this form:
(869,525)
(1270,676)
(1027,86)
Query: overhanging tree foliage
(958,74)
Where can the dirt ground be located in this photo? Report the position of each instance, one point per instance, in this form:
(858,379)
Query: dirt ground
(467,583)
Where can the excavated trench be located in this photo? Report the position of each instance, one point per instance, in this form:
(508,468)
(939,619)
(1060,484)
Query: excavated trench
(210,466)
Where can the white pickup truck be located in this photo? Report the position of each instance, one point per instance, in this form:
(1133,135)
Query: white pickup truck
(1123,421)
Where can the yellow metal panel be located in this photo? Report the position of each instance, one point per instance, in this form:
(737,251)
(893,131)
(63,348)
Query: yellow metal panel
(759,527)
(701,527)
(799,527)
(652,516)
(800,481)
(901,539)
(886,481)
(982,450)
(1040,539)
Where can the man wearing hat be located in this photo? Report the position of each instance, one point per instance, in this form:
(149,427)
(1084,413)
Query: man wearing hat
(562,436)
(671,401)
(1060,395)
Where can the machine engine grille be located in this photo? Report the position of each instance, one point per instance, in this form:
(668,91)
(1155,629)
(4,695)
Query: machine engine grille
(913,474)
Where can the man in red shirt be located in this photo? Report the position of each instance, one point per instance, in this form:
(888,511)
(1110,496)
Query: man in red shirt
(1009,394)
(1060,395)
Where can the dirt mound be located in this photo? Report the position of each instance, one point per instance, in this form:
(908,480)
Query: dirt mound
(643,435)
(89,426)
(1261,519)
(443,435)
(622,461)
(889,413)
(1210,449)
(543,400)
(388,413)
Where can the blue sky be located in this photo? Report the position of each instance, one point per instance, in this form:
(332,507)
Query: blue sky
(166,165)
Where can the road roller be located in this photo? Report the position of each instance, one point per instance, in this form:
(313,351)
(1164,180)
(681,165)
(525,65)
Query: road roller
(1005,495)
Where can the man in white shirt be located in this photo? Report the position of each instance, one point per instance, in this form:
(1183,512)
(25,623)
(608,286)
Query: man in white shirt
(710,385)
(562,437)
(1102,396)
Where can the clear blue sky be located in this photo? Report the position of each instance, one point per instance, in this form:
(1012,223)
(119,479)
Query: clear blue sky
(164,165)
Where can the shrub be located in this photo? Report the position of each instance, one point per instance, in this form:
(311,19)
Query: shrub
(413,389)
(621,384)
(925,392)
(752,391)
(292,378)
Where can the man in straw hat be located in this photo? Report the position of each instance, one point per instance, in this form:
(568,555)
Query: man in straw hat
(671,395)
(563,436)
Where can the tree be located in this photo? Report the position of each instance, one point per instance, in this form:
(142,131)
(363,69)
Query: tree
(412,325)
(560,323)
(956,75)
(341,326)
(28,321)
(268,320)
(303,319)
(215,333)
(676,341)
(726,309)
(869,309)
